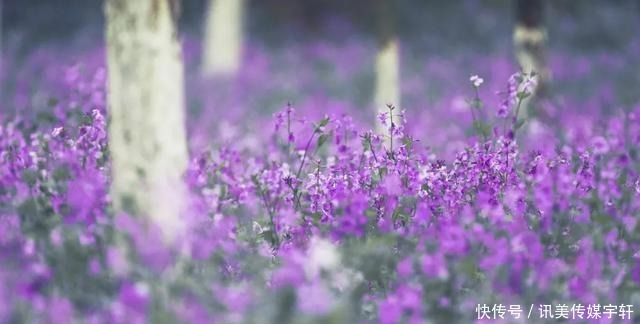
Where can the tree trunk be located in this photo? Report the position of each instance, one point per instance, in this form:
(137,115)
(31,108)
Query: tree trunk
(530,39)
(223,38)
(147,137)
(387,89)
(1,29)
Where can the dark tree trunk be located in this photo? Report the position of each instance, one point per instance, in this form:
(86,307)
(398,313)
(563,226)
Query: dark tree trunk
(529,13)
(385,22)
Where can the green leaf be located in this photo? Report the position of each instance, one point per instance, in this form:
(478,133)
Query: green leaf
(286,302)
(269,236)
(324,122)
(469,268)
(28,208)
(46,117)
(370,213)
(366,144)
(601,218)
(30,177)
(322,139)
(61,173)
(478,104)
(407,142)
(36,216)
(52,102)
(522,95)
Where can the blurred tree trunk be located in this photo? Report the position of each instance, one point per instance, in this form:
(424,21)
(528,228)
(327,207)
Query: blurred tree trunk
(1,30)
(147,137)
(530,38)
(223,37)
(387,89)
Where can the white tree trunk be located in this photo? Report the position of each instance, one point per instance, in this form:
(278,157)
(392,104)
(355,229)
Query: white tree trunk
(387,89)
(529,45)
(223,38)
(1,30)
(147,137)
(529,39)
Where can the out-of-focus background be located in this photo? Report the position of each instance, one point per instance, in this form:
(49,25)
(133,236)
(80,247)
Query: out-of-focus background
(321,57)
(438,26)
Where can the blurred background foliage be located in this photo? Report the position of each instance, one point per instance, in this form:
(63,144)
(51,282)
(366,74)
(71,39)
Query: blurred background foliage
(437,26)
(441,43)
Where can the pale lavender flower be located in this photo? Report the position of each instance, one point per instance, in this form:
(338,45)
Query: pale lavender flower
(476,81)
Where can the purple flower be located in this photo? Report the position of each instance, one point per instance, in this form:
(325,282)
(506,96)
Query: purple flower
(405,268)
(600,145)
(314,298)
(390,310)
(135,297)
(383,117)
(60,310)
(236,298)
(434,266)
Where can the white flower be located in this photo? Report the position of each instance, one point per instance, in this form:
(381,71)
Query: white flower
(142,289)
(529,84)
(322,255)
(56,131)
(257,228)
(476,80)
(346,278)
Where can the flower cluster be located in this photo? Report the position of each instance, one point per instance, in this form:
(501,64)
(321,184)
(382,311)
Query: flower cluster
(322,219)
(323,214)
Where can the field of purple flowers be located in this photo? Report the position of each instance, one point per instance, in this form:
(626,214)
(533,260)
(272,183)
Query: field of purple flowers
(301,213)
